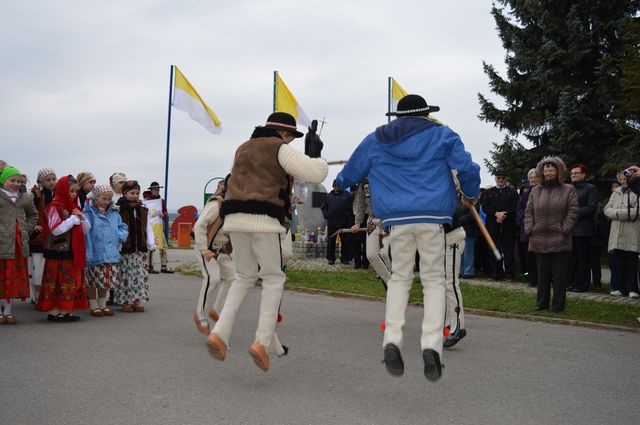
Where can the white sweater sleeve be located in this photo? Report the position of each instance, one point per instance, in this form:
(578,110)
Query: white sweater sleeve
(300,166)
(207,217)
(58,226)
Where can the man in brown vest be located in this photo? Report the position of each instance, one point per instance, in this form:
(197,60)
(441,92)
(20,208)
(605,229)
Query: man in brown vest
(254,212)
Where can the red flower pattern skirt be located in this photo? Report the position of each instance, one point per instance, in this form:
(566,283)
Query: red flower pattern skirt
(14,274)
(62,287)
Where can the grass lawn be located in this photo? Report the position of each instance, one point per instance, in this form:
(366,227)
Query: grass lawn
(509,301)
(484,299)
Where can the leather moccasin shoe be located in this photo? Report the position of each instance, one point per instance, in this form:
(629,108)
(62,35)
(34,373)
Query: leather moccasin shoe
(432,365)
(107,312)
(213,315)
(216,346)
(454,338)
(10,319)
(202,329)
(96,312)
(393,360)
(260,357)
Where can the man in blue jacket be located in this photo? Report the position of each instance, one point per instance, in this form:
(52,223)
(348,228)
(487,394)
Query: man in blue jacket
(409,163)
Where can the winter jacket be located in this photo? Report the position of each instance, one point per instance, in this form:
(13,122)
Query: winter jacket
(362,202)
(551,213)
(25,214)
(107,234)
(336,208)
(467,221)
(623,210)
(588,205)
(409,163)
(140,236)
(522,205)
(501,199)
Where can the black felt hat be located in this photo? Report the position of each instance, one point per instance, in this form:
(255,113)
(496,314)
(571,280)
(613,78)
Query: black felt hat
(283,121)
(413,105)
(155,185)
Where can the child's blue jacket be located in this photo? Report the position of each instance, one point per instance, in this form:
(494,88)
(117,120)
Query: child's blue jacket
(107,233)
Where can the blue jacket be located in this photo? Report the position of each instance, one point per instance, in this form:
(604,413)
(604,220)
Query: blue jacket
(107,233)
(409,163)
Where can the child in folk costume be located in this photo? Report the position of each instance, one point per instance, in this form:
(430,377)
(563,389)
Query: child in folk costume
(157,213)
(116,180)
(63,288)
(42,194)
(455,240)
(377,255)
(107,234)
(213,250)
(133,289)
(18,218)
(86,182)
(254,212)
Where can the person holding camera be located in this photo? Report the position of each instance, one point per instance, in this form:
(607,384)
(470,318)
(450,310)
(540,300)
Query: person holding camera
(633,178)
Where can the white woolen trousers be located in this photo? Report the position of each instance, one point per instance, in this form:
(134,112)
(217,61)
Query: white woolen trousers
(36,269)
(378,256)
(452,271)
(216,272)
(429,240)
(249,250)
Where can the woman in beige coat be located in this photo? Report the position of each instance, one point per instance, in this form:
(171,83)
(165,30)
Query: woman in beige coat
(551,213)
(624,238)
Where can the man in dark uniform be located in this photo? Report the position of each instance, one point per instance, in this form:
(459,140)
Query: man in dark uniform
(499,203)
(582,232)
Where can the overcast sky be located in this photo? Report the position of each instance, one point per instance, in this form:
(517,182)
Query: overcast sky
(85,84)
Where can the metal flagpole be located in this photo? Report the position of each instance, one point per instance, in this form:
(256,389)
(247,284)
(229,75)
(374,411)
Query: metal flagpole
(165,221)
(275,74)
(389,99)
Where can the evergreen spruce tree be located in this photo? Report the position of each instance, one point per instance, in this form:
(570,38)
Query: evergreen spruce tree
(563,81)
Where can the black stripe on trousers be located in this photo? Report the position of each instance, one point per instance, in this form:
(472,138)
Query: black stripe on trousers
(206,291)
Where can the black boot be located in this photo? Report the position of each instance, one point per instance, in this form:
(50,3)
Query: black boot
(393,360)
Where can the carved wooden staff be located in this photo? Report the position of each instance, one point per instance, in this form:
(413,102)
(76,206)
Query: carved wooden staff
(477,218)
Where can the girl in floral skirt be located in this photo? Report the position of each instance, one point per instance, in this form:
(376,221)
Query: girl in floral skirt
(107,233)
(133,290)
(62,289)
(18,217)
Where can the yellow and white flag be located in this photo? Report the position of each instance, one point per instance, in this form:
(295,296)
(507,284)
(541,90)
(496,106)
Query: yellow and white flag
(187,99)
(286,102)
(397,93)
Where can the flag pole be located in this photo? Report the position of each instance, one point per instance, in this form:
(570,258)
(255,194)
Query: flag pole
(275,75)
(389,99)
(166,163)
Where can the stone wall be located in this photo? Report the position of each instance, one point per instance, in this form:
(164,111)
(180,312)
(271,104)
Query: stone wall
(303,250)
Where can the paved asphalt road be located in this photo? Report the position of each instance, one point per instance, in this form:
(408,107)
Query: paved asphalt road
(153,368)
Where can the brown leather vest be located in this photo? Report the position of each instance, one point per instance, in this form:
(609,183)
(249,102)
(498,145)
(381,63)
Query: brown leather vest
(258,184)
